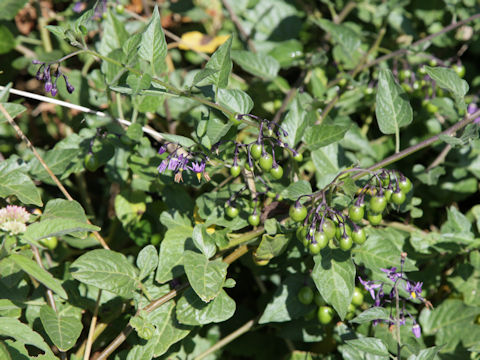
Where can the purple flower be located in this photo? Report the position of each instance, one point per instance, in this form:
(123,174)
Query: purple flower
(414,290)
(392,273)
(370,286)
(198,168)
(48,86)
(162,149)
(54,91)
(70,88)
(79,6)
(472,107)
(172,165)
(417,331)
(163,166)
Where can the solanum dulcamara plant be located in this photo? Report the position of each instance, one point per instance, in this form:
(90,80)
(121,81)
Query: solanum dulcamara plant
(274,179)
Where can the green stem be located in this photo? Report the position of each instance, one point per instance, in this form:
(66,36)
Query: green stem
(397,140)
(421,145)
(244,238)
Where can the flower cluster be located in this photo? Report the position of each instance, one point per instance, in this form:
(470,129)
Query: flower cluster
(180,160)
(13,219)
(414,289)
(44,73)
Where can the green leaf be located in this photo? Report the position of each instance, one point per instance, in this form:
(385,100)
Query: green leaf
(235,100)
(374,313)
(329,161)
(428,177)
(191,310)
(13,328)
(426,354)
(8,41)
(271,246)
(203,241)
(257,64)
(59,218)
(216,129)
(43,276)
(15,182)
(153,46)
(324,134)
(169,330)
(393,109)
(206,277)
(448,79)
(334,276)
(369,345)
(284,305)
(57,159)
(147,261)
(297,189)
(130,206)
(382,250)
(218,68)
(457,228)
(62,330)
(452,322)
(114,34)
(172,252)
(13,110)
(144,351)
(107,270)
(10,8)
(294,123)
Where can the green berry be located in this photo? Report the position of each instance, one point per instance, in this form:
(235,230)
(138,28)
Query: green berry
(232,211)
(378,204)
(355,213)
(256,151)
(254,219)
(325,314)
(235,170)
(91,162)
(298,213)
(357,298)
(298,157)
(277,172)
(374,219)
(398,197)
(314,248)
(358,236)
(321,239)
(329,228)
(266,162)
(405,185)
(49,242)
(305,295)
(120,9)
(345,243)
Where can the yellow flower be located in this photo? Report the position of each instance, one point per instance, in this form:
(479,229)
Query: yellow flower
(195,40)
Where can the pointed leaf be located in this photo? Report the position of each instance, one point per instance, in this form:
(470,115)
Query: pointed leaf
(13,328)
(334,276)
(172,249)
(191,310)
(114,34)
(294,123)
(12,109)
(62,330)
(206,277)
(218,68)
(448,79)
(324,134)
(257,64)
(374,313)
(271,246)
(153,46)
(15,182)
(393,109)
(370,346)
(284,305)
(43,276)
(107,270)
(235,100)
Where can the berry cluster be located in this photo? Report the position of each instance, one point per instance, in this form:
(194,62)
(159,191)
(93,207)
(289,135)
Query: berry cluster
(46,74)
(325,313)
(262,150)
(323,223)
